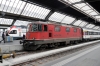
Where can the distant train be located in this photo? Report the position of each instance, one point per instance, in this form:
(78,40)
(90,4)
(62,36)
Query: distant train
(42,35)
(17,32)
(89,34)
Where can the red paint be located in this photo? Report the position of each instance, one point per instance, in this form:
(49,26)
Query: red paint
(11,28)
(40,35)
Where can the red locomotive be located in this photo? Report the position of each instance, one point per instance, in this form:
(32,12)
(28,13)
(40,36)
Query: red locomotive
(43,34)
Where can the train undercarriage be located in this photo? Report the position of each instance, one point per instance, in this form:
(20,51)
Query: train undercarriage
(43,44)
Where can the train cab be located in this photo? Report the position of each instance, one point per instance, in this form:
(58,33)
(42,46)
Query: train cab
(36,31)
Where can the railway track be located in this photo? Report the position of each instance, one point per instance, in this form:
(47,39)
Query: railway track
(38,62)
(38,51)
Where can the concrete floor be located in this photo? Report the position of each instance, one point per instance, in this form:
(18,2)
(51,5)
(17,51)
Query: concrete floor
(86,57)
(10,46)
(15,42)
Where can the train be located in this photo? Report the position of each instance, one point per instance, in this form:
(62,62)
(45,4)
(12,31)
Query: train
(17,32)
(41,34)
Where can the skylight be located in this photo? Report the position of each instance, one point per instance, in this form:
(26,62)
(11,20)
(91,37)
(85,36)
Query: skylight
(58,17)
(6,21)
(96,27)
(83,24)
(93,13)
(35,11)
(84,7)
(12,6)
(23,8)
(88,25)
(72,1)
(68,20)
(19,22)
(91,26)
(77,22)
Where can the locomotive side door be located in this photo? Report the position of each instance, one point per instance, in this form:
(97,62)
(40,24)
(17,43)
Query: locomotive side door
(50,31)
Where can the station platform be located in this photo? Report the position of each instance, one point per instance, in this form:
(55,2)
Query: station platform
(10,46)
(87,57)
(15,42)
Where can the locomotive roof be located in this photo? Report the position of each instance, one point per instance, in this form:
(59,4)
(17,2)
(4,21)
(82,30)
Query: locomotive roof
(57,23)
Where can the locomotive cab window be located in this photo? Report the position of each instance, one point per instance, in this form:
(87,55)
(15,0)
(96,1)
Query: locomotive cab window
(36,27)
(39,27)
(13,32)
(45,28)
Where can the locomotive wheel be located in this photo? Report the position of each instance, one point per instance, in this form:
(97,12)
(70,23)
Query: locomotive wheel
(25,45)
(56,45)
(71,42)
(42,47)
(30,47)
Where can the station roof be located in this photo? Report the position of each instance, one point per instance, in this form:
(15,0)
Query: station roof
(83,13)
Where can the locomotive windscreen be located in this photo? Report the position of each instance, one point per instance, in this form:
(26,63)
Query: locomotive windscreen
(36,27)
(13,32)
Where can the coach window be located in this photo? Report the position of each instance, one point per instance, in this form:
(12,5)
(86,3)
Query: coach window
(95,33)
(57,28)
(45,28)
(67,29)
(92,33)
(86,33)
(98,33)
(89,33)
(75,30)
